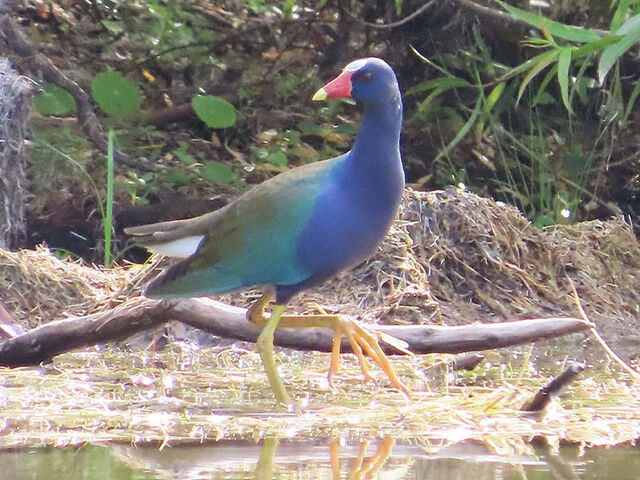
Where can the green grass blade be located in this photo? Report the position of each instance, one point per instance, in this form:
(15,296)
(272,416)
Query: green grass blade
(564,62)
(595,46)
(73,161)
(108,217)
(430,63)
(543,85)
(631,102)
(557,29)
(463,131)
(618,15)
(493,97)
(612,53)
(424,105)
(541,62)
(630,27)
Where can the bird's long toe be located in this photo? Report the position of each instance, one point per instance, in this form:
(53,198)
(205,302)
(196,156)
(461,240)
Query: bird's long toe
(361,340)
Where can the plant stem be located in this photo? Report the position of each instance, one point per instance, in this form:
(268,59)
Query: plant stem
(108,217)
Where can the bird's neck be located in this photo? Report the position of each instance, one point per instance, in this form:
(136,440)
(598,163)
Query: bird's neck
(381,125)
(376,151)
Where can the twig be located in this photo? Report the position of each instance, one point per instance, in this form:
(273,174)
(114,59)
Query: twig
(398,23)
(468,362)
(540,401)
(9,328)
(614,209)
(592,327)
(490,13)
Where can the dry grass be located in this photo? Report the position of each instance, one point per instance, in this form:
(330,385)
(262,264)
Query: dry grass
(39,287)
(185,396)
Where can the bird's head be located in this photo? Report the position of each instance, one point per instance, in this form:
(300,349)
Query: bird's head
(366,81)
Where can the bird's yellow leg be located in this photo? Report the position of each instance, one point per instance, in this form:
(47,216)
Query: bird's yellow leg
(256,312)
(265,347)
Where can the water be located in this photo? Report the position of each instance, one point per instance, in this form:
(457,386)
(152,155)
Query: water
(307,460)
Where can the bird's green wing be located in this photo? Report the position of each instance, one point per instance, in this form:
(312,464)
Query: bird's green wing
(252,241)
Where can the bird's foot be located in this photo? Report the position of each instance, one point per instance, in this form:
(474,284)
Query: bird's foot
(360,340)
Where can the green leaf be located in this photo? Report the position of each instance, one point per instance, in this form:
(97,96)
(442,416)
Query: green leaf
(564,62)
(424,105)
(538,63)
(463,131)
(346,128)
(493,97)
(595,46)
(581,87)
(523,67)
(543,220)
(116,28)
(611,54)
(183,155)
(217,172)
(576,164)
(619,14)
(630,27)
(178,177)
(288,7)
(430,63)
(631,102)
(115,95)
(308,127)
(278,159)
(568,32)
(54,100)
(543,85)
(627,35)
(543,98)
(216,112)
(398,7)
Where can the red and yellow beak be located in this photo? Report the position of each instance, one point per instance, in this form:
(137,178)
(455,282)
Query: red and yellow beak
(339,87)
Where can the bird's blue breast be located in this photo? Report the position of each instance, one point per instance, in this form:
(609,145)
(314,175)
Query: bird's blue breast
(350,217)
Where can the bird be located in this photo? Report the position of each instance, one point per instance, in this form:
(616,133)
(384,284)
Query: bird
(299,228)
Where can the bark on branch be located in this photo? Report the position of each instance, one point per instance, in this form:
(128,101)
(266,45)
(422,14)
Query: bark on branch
(47,341)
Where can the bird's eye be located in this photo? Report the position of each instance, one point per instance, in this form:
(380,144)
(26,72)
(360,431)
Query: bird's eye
(363,77)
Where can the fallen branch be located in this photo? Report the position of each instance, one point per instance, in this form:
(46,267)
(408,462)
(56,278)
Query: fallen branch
(45,342)
(554,388)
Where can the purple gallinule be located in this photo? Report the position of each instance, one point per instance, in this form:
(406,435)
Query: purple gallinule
(299,228)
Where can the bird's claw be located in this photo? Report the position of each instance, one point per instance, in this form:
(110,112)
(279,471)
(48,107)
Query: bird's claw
(361,340)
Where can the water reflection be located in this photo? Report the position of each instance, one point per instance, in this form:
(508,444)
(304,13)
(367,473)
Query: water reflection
(317,460)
